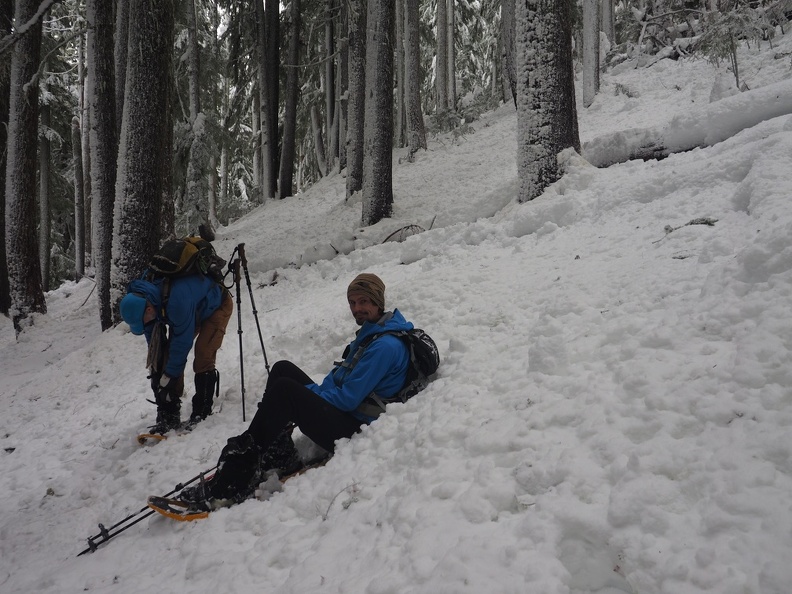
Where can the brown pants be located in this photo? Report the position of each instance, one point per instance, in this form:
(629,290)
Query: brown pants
(210,335)
(209,339)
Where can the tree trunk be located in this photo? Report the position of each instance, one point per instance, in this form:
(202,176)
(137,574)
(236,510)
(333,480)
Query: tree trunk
(508,35)
(342,81)
(85,122)
(378,129)
(24,274)
(546,113)
(331,128)
(272,20)
(256,133)
(286,174)
(145,141)
(212,197)
(193,62)
(6,15)
(316,127)
(608,23)
(451,47)
(264,79)
(591,51)
(195,210)
(416,132)
(224,175)
(100,96)
(400,133)
(441,57)
(121,39)
(79,205)
(45,218)
(356,92)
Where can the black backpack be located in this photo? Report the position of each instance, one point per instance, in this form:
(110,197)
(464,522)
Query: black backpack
(189,255)
(183,257)
(424,361)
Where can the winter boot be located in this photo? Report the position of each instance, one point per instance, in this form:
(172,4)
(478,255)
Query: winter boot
(237,476)
(207,385)
(168,413)
(282,456)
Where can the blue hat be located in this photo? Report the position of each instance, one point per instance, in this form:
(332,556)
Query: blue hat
(133,306)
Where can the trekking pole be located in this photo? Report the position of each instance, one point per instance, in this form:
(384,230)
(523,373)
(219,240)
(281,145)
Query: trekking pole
(253,303)
(235,264)
(106,534)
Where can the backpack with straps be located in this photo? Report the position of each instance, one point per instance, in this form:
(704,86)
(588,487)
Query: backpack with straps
(184,257)
(189,255)
(424,361)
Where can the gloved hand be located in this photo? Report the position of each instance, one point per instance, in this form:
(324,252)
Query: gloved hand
(164,389)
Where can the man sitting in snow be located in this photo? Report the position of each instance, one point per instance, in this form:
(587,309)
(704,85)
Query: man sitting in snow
(323,412)
(197,308)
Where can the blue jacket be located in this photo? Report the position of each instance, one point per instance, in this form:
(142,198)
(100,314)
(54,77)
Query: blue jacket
(381,369)
(192,300)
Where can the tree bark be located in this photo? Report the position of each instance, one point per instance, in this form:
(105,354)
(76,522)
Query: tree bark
(508,36)
(400,132)
(267,141)
(416,132)
(286,174)
(101,106)
(316,127)
(45,218)
(121,39)
(546,112)
(145,142)
(79,205)
(608,23)
(6,14)
(441,57)
(591,51)
(331,128)
(24,274)
(378,129)
(272,20)
(451,18)
(356,92)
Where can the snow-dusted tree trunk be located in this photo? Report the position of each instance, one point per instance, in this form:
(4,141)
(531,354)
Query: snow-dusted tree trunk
(330,86)
(145,141)
(591,51)
(195,210)
(608,23)
(508,37)
(6,15)
(100,96)
(45,218)
(255,129)
(451,48)
(223,175)
(416,132)
(316,128)
(441,57)
(356,92)
(272,11)
(546,113)
(268,181)
(24,274)
(79,205)
(120,47)
(342,83)
(85,121)
(400,131)
(288,147)
(378,128)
